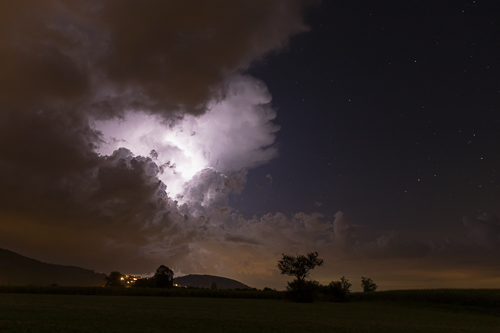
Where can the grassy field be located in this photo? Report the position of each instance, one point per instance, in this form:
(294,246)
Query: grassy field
(84,313)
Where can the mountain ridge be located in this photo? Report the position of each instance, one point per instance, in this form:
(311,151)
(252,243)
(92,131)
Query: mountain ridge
(205,281)
(16,269)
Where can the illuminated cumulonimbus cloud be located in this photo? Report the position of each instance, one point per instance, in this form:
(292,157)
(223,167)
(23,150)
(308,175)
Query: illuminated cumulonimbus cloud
(89,88)
(234,133)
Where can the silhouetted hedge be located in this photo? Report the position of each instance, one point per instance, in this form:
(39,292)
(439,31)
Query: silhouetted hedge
(465,297)
(302,291)
(158,292)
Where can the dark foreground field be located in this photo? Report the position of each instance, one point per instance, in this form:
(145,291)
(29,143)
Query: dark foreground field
(79,313)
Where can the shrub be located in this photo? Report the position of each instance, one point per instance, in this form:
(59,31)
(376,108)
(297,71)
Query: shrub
(338,291)
(368,284)
(302,291)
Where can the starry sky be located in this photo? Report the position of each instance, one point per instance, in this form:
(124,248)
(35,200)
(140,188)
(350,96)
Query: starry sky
(213,137)
(388,113)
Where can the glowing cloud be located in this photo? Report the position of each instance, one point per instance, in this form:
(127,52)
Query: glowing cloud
(235,133)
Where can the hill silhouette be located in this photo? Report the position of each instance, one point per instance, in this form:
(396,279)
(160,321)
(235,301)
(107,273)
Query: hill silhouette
(205,281)
(16,269)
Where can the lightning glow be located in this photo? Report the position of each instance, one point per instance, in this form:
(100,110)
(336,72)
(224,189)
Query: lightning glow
(233,134)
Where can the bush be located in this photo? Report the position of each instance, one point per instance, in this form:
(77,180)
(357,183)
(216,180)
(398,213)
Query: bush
(338,291)
(368,284)
(302,291)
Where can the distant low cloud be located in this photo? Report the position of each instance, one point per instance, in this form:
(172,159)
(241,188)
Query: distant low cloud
(484,231)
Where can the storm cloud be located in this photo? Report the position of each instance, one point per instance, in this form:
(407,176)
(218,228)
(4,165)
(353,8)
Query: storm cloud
(67,65)
(155,56)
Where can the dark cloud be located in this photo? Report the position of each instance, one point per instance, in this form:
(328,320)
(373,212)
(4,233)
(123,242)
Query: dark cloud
(161,56)
(36,61)
(241,239)
(178,53)
(87,211)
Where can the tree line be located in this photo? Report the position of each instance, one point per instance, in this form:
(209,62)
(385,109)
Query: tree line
(302,290)
(163,278)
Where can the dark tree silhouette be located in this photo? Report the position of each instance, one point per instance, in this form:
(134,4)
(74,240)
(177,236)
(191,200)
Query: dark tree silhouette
(300,265)
(213,286)
(299,289)
(164,277)
(368,284)
(339,290)
(114,279)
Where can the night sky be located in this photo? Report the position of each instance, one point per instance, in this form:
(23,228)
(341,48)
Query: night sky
(214,136)
(388,112)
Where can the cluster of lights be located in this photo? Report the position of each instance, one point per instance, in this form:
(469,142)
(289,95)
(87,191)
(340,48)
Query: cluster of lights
(130,279)
(179,286)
